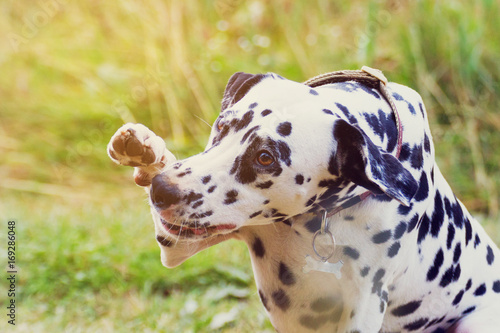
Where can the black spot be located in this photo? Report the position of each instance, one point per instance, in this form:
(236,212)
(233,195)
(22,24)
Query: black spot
(243,166)
(417,158)
(469,310)
(496,286)
(313,322)
(490,257)
(201,215)
(364,271)
(253,105)
(451,235)
(413,223)
(284,129)
(468,231)
(243,123)
(211,188)
(379,275)
(349,218)
(377,284)
(299,179)
(323,304)
(182,174)
(457,253)
(258,247)
(192,197)
(400,230)
(382,306)
(477,241)
(447,277)
(255,214)
(347,114)
(385,296)
(164,241)
(404,210)
(206,179)
(438,262)
(375,124)
(351,252)
(263,299)
(331,184)
(405,152)
(266,112)
(394,249)
(265,202)
(437,215)
(481,290)
(456,273)
(281,299)
(423,188)
(313,92)
(285,152)
(406,309)
(427,144)
(382,237)
(231,197)
(468,285)
(423,228)
(285,275)
(397,96)
(197,204)
(370,91)
(447,206)
(248,133)
(265,185)
(458,214)
(417,324)
(328,111)
(458,297)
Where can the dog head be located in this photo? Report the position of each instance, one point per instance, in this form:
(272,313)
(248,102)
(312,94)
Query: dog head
(278,149)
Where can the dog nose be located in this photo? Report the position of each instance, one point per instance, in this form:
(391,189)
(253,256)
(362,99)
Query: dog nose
(164,194)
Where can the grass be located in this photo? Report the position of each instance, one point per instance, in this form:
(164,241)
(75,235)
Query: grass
(73,72)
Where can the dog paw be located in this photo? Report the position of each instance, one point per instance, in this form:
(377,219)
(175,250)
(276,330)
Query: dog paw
(136,145)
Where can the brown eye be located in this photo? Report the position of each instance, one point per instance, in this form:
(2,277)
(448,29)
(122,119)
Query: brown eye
(264,158)
(219,124)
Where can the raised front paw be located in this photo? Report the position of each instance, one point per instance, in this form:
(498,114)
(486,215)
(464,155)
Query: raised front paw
(136,145)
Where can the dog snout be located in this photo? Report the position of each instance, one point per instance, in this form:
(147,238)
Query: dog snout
(164,194)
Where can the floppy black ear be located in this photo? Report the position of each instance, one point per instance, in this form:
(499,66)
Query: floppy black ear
(237,87)
(360,161)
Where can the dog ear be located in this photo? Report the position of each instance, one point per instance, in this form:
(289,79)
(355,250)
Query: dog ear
(360,161)
(237,87)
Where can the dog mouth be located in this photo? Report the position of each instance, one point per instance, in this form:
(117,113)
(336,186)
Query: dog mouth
(189,231)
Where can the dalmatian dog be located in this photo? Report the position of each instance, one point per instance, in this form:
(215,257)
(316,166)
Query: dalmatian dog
(281,154)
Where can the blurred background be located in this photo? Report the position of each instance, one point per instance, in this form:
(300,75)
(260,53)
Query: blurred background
(72,72)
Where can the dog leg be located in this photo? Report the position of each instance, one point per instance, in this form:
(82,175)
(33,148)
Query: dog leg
(137,146)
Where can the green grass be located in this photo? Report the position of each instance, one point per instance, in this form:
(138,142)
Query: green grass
(95,267)
(73,73)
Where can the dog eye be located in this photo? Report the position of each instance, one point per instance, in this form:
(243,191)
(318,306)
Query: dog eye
(264,158)
(219,123)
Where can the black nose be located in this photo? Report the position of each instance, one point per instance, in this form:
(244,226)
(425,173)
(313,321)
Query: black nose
(163,194)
